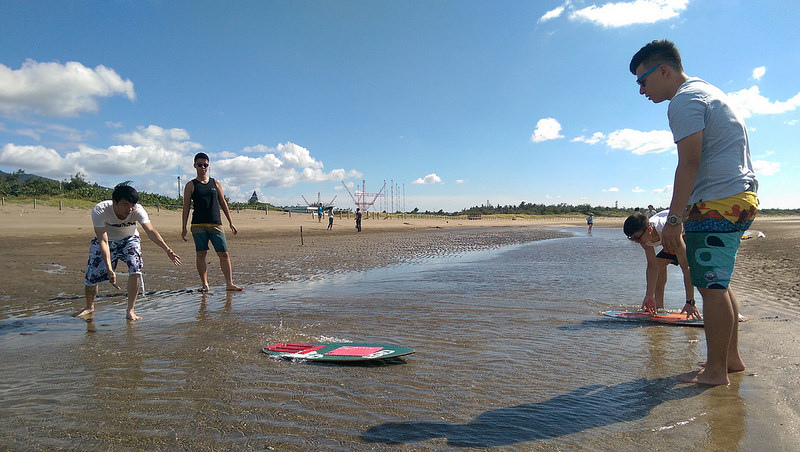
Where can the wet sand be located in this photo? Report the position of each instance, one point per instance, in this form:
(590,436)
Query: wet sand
(44,250)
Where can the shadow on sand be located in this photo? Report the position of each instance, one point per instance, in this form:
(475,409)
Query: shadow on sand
(582,409)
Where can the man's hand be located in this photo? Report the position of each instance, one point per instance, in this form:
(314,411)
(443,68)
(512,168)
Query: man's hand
(173,256)
(649,304)
(671,237)
(183,235)
(691,311)
(233,228)
(112,279)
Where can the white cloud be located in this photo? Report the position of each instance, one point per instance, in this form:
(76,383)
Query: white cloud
(621,14)
(147,150)
(283,166)
(611,190)
(594,139)
(667,189)
(546,129)
(640,143)
(429,179)
(33,159)
(638,189)
(460,181)
(759,72)
(766,168)
(749,102)
(54,89)
(553,13)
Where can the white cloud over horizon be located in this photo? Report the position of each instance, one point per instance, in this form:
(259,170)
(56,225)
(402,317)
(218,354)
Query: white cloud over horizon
(59,90)
(427,180)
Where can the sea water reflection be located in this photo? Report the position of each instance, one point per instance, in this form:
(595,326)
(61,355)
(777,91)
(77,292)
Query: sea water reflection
(511,351)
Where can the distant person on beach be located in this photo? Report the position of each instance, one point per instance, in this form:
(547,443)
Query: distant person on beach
(713,199)
(650,211)
(205,194)
(319,213)
(358,219)
(330,218)
(116,238)
(647,233)
(590,222)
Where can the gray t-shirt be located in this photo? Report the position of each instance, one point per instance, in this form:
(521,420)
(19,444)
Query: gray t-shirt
(725,166)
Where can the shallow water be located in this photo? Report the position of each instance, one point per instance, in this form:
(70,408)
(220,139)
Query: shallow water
(510,351)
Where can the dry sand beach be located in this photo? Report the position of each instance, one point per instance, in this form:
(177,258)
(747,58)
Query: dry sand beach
(43,253)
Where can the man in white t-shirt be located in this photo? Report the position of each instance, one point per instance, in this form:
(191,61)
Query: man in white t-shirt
(116,238)
(647,233)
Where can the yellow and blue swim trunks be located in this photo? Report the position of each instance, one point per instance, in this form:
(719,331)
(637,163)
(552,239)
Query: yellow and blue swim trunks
(713,234)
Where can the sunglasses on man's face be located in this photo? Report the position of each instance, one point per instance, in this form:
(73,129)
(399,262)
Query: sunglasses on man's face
(201,165)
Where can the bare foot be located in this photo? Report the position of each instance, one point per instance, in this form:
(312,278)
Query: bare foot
(203,289)
(732,367)
(132,316)
(234,288)
(699,377)
(742,318)
(84,313)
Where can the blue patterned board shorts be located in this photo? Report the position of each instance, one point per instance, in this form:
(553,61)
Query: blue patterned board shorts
(128,250)
(713,234)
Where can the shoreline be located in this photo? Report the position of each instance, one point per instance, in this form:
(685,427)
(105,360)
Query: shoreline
(44,250)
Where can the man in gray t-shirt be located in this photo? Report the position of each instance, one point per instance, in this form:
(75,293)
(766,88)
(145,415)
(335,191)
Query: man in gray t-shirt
(714,195)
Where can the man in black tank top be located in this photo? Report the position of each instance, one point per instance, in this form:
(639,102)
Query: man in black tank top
(206,195)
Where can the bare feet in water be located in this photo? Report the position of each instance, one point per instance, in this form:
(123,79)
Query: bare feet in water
(234,288)
(84,313)
(700,377)
(732,367)
(132,316)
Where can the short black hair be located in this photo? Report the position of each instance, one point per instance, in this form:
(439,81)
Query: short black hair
(659,51)
(201,155)
(635,223)
(124,191)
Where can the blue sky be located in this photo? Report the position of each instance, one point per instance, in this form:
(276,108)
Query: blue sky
(454,102)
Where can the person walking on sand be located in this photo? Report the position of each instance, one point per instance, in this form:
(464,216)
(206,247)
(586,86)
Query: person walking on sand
(116,238)
(205,194)
(714,196)
(330,219)
(358,219)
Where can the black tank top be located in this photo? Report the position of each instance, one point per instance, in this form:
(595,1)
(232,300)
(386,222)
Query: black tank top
(205,199)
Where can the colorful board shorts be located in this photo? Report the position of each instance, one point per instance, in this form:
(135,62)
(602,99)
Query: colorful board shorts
(713,234)
(203,233)
(128,250)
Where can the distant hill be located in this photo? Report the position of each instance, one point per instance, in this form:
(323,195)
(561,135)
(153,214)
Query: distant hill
(24,176)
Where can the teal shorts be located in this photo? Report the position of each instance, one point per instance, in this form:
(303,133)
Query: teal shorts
(711,257)
(713,234)
(203,234)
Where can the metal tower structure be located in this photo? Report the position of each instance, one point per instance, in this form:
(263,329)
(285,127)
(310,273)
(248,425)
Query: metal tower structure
(362,199)
(319,201)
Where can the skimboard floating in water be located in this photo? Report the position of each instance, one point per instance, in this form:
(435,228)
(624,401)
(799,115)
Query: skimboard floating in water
(336,351)
(668,319)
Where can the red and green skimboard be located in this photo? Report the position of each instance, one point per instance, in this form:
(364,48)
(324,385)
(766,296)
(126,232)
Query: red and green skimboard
(340,352)
(667,319)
